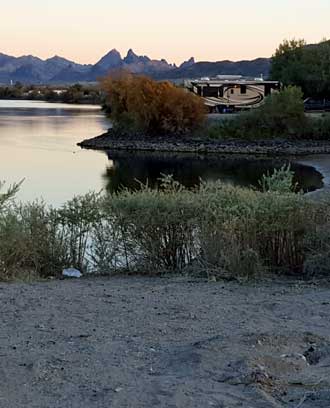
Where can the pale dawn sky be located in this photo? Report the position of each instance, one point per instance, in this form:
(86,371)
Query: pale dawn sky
(214,30)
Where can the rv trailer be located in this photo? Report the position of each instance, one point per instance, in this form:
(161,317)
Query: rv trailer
(231,93)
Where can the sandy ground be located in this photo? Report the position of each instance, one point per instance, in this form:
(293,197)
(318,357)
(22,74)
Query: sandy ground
(140,342)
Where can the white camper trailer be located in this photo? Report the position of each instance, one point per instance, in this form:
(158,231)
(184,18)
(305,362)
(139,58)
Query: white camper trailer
(228,93)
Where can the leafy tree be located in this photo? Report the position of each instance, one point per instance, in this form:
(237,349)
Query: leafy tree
(306,66)
(138,103)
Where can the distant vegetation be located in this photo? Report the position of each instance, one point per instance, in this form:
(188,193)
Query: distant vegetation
(73,94)
(305,66)
(140,104)
(212,230)
(304,71)
(282,116)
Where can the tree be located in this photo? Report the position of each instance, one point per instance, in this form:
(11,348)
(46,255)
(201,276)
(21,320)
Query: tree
(306,66)
(138,103)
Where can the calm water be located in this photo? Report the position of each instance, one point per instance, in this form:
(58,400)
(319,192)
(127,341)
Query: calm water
(126,168)
(38,143)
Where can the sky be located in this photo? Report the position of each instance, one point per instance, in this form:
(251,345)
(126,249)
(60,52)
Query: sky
(84,30)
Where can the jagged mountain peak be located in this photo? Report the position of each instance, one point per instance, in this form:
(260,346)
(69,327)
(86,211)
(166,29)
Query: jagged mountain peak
(111,60)
(31,69)
(132,58)
(188,63)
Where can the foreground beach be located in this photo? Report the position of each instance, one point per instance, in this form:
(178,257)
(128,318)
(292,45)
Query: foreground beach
(158,342)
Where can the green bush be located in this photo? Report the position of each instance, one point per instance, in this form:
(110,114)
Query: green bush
(40,240)
(281,181)
(215,229)
(157,226)
(317,128)
(7,196)
(282,116)
(239,221)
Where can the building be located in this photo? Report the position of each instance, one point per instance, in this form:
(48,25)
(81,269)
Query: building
(229,93)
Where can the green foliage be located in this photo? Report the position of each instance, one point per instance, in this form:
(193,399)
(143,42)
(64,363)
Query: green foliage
(42,240)
(282,115)
(317,242)
(281,181)
(150,226)
(241,221)
(317,127)
(305,66)
(72,94)
(215,229)
(8,195)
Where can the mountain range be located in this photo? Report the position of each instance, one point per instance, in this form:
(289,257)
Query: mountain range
(57,70)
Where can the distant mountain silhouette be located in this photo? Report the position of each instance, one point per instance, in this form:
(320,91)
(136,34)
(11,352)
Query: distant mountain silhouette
(188,63)
(57,70)
(253,68)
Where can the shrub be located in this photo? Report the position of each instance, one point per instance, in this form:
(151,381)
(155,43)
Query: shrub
(8,195)
(41,240)
(75,222)
(318,128)
(282,115)
(139,103)
(218,228)
(238,221)
(215,229)
(281,181)
(317,242)
(157,226)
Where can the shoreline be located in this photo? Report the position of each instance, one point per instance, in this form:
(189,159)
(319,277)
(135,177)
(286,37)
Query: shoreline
(112,140)
(51,101)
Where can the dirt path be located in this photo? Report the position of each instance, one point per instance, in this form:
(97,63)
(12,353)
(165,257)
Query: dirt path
(138,342)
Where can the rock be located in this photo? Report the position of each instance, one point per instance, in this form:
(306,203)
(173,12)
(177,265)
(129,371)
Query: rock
(117,140)
(315,354)
(72,273)
(297,360)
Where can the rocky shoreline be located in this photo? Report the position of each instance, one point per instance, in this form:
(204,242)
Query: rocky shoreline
(278,147)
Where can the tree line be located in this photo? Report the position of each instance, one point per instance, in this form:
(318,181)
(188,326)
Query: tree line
(76,93)
(306,66)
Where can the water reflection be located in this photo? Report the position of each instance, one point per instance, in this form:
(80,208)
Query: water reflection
(38,143)
(125,169)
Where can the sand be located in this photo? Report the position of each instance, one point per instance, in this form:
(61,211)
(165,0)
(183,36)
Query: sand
(164,342)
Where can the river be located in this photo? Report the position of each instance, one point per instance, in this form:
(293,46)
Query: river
(38,144)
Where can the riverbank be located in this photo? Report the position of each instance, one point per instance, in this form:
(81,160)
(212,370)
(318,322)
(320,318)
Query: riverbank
(113,140)
(158,342)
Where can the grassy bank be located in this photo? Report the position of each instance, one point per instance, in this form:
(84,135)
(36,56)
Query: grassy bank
(214,230)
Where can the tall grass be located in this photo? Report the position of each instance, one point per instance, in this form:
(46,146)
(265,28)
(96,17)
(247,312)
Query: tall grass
(215,229)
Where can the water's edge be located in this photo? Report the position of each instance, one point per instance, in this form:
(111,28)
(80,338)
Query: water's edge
(111,140)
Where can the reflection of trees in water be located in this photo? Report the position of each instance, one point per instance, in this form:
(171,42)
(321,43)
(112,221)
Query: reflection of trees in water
(189,169)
